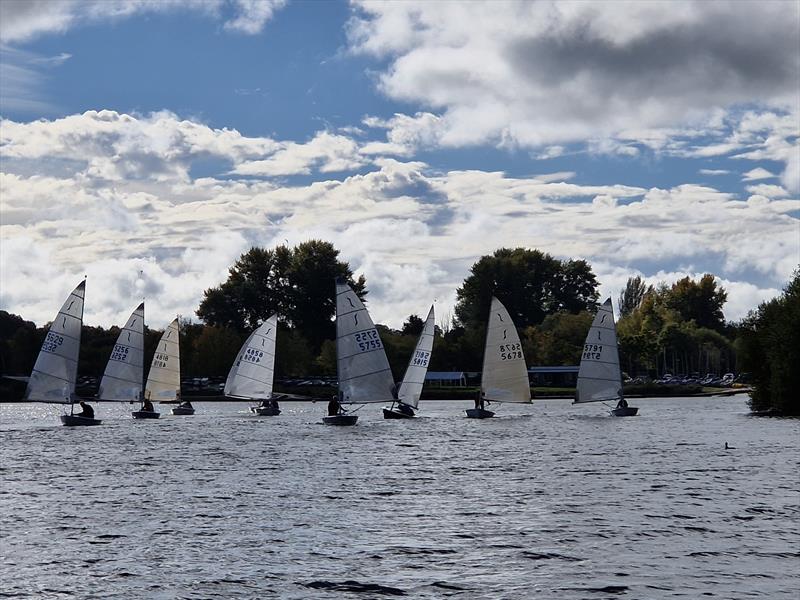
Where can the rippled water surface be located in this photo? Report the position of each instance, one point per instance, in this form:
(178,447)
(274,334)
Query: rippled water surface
(549,500)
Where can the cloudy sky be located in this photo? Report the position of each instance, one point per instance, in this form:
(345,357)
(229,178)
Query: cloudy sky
(148,144)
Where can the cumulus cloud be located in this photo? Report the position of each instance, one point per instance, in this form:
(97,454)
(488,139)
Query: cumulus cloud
(756,174)
(548,72)
(22,20)
(111,195)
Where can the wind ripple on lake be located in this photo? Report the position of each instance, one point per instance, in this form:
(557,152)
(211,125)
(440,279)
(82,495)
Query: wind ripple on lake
(549,500)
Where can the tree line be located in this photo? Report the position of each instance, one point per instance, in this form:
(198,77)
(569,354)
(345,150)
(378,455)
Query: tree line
(676,328)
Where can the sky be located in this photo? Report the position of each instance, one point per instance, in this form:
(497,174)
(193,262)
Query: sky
(147,144)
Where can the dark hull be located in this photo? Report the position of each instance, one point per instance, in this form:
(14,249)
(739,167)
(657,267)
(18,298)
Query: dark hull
(628,411)
(478,413)
(76,421)
(145,414)
(390,413)
(265,411)
(340,420)
(180,410)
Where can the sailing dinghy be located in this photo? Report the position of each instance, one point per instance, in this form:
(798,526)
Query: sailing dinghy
(364,372)
(123,379)
(164,379)
(599,375)
(505,374)
(252,374)
(411,386)
(56,369)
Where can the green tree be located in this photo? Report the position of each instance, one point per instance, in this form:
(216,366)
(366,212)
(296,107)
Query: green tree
(698,301)
(531,285)
(413,325)
(770,351)
(631,297)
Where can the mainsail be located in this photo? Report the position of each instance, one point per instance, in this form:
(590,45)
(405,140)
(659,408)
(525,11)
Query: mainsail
(56,369)
(364,372)
(124,374)
(414,379)
(599,376)
(164,379)
(252,372)
(505,374)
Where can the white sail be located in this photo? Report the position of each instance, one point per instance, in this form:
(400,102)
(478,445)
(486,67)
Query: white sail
(124,375)
(414,379)
(252,372)
(505,374)
(164,379)
(364,372)
(599,376)
(56,369)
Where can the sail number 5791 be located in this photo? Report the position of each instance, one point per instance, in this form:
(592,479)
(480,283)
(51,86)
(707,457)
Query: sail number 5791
(592,351)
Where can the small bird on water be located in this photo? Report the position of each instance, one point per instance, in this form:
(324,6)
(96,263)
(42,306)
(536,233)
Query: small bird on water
(729,447)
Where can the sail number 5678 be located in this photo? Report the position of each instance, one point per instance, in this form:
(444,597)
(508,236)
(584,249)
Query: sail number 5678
(510,351)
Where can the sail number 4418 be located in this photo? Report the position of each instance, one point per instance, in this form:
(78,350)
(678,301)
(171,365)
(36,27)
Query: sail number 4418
(592,351)
(368,340)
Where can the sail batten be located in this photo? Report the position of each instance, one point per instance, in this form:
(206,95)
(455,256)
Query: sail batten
(253,371)
(124,374)
(414,379)
(505,373)
(164,378)
(599,375)
(364,371)
(56,369)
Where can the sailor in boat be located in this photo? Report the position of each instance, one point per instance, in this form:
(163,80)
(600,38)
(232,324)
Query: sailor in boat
(622,403)
(274,403)
(334,407)
(87,411)
(405,409)
(147,406)
(480,399)
(266,403)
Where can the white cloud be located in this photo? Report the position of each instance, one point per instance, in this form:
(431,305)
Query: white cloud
(129,203)
(713,171)
(756,174)
(22,20)
(544,73)
(770,191)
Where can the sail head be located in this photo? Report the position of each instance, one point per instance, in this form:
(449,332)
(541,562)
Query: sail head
(505,373)
(414,379)
(56,369)
(124,375)
(252,373)
(599,375)
(364,371)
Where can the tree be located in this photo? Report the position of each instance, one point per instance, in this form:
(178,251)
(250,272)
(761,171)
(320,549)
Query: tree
(631,297)
(700,302)
(531,285)
(558,340)
(770,351)
(413,325)
(296,283)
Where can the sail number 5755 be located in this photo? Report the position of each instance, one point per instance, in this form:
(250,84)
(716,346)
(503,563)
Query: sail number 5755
(368,340)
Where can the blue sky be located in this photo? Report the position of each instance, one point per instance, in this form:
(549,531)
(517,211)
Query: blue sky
(149,144)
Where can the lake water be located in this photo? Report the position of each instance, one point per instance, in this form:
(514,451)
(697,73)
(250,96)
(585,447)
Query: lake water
(548,500)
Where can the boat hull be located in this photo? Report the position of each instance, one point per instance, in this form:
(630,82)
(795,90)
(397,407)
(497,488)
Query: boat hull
(479,413)
(340,419)
(76,421)
(391,413)
(182,410)
(265,411)
(145,414)
(627,411)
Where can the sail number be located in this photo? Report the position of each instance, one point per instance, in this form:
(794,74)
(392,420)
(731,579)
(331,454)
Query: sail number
(421,358)
(252,355)
(368,340)
(160,360)
(51,342)
(120,353)
(592,351)
(510,351)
